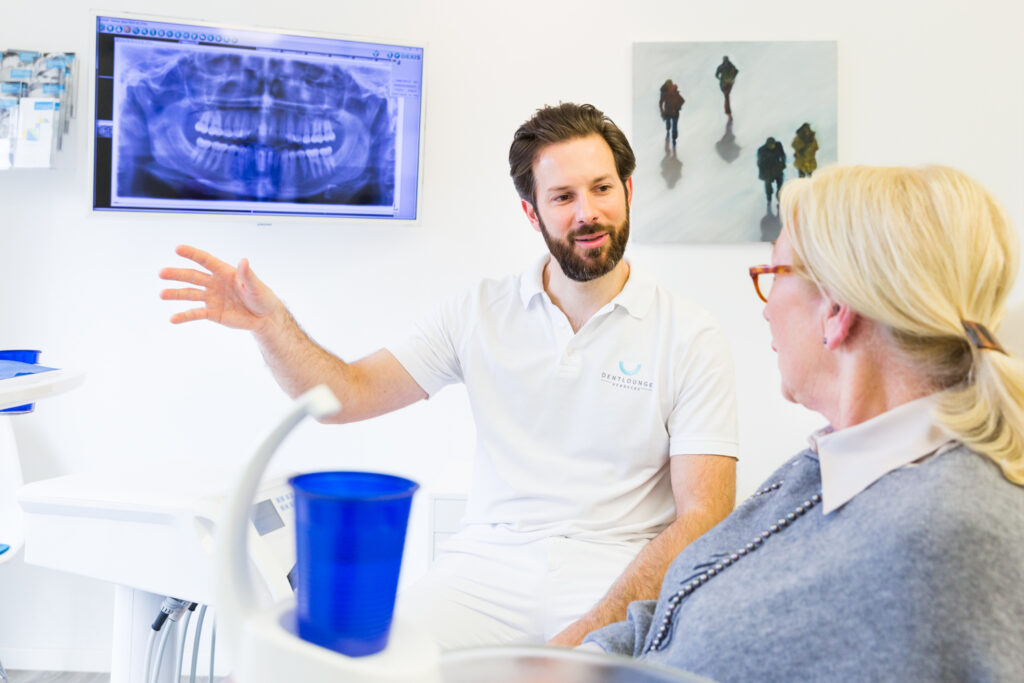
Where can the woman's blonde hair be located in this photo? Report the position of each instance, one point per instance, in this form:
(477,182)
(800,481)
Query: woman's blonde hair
(921,251)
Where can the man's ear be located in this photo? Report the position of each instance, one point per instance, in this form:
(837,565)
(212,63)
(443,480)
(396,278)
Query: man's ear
(531,214)
(839,322)
(629,191)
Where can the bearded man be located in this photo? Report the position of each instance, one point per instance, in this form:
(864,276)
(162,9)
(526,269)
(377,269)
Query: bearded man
(604,405)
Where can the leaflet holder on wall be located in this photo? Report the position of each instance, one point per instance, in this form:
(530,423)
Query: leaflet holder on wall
(37,103)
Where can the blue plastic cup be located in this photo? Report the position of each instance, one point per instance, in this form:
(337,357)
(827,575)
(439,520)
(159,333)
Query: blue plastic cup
(21,356)
(350,533)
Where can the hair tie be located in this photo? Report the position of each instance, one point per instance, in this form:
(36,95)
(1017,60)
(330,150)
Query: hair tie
(981,337)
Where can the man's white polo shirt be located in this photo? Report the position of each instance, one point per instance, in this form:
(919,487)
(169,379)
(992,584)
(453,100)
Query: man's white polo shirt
(574,431)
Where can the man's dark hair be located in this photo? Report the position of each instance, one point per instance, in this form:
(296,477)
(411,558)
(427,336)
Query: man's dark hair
(567,121)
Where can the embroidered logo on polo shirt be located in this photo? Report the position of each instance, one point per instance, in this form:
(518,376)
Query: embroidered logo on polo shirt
(630,373)
(627,379)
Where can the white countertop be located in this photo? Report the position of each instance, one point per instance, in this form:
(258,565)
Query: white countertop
(17,391)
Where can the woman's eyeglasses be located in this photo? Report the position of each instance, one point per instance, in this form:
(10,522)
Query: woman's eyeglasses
(764,278)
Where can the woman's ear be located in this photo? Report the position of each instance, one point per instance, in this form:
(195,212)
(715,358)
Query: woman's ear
(839,321)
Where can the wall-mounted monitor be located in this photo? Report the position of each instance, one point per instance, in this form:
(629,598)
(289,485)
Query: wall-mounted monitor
(210,119)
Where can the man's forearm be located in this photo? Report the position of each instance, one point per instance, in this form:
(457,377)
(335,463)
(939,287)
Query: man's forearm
(642,579)
(371,386)
(297,362)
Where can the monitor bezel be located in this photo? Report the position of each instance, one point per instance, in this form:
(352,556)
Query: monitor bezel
(267,219)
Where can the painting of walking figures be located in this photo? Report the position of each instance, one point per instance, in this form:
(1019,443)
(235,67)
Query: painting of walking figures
(719,127)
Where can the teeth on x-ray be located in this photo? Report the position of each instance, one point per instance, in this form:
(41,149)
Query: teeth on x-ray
(255,126)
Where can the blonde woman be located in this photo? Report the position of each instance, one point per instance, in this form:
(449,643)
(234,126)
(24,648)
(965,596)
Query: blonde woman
(893,547)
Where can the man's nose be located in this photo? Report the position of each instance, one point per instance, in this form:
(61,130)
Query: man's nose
(586,213)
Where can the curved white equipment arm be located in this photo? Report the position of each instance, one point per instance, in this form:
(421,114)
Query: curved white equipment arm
(12,532)
(262,643)
(236,595)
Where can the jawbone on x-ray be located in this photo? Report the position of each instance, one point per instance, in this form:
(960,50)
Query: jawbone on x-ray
(215,124)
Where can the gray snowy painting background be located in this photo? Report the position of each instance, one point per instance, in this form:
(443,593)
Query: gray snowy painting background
(708,190)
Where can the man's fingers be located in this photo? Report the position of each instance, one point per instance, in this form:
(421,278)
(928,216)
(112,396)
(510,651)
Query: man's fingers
(190,315)
(206,260)
(189,275)
(183,294)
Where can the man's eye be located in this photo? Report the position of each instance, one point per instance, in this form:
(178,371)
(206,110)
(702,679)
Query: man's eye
(604,188)
(560,198)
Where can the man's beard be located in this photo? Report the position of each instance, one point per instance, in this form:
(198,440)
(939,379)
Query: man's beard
(593,263)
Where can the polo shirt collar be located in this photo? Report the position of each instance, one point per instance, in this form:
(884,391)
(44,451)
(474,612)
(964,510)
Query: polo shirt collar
(637,296)
(531,283)
(854,458)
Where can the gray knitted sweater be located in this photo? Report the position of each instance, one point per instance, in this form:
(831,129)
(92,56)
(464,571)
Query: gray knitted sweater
(918,578)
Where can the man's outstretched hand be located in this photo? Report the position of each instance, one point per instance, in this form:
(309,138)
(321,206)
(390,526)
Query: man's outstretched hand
(233,297)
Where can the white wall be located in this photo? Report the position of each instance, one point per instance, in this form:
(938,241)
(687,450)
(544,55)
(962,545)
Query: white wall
(935,82)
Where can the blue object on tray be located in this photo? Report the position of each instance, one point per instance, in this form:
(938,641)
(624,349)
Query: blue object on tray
(350,531)
(15,363)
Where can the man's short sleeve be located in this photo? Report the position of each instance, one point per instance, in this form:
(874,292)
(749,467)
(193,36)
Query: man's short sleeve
(431,353)
(704,419)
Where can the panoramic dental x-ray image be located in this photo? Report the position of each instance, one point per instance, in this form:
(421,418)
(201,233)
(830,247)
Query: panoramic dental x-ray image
(252,126)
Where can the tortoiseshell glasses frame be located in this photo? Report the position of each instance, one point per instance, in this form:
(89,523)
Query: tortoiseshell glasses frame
(757,271)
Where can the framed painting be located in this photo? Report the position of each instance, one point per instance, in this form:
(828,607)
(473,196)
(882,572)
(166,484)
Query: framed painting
(718,127)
